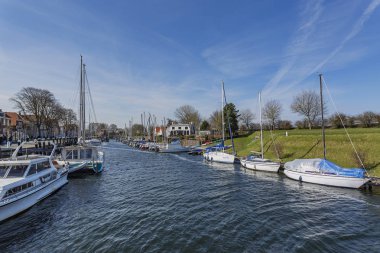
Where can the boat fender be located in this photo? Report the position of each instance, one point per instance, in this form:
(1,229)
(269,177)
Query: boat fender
(300,178)
(212,159)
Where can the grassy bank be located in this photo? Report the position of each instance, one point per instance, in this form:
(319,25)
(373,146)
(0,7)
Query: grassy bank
(308,144)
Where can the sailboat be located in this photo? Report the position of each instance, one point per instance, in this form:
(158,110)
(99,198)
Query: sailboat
(322,171)
(217,153)
(260,163)
(83,156)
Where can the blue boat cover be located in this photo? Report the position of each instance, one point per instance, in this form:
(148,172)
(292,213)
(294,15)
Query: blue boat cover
(330,167)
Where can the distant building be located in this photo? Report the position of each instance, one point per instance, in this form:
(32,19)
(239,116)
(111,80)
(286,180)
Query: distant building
(180,130)
(5,123)
(158,131)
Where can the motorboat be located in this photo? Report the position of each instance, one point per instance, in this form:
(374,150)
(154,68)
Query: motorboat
(26,180)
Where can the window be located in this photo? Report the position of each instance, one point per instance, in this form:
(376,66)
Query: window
(75,154)
(179,127)
(173,128)
(33,169)
(43,166)
(186,127)
(3,170)
(17,171)
(18,189)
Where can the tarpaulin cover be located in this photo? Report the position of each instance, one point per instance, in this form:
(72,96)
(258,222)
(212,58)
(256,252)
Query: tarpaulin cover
(324,166)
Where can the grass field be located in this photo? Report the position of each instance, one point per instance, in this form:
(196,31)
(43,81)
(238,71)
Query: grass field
(308,144)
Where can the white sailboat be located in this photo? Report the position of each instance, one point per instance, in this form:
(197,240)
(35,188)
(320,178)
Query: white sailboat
(322,171)
(260,163)
(26,180)
(83,156)
(218,154)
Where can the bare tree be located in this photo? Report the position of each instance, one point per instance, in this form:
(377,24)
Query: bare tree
(367,119)
(272,112)
(307,104)
(246,118)
(33,101)
(216,120)
(188,114)
(69,121)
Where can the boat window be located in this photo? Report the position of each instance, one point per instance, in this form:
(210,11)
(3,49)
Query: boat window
(18,189)
(75,154)
(43,166)
(17,171)
(85,153)
(32,170)
(3,170)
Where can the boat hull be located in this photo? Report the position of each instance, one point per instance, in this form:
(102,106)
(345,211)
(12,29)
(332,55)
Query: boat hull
(323,179)
(261,165)
(220,157)
(23,202)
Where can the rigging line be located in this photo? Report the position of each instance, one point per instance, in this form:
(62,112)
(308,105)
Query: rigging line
(274,143)
(345,129)
(229,124)
(89,92)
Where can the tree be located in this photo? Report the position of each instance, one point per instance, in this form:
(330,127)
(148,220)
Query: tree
(336,121)
(188,114)
(246,118)
(34,101)
(205,125)
(272,112)
(137,130)
(307,104)
(216,120)
(69,121)
(231,117)
(285,125)
(367,119)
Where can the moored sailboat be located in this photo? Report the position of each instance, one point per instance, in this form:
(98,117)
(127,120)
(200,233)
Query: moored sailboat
(260,163)
(83,156)
(218,154)
(322,171)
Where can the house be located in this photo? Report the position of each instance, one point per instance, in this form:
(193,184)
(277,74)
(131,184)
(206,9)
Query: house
(158,131)
(180,130)
(5,124)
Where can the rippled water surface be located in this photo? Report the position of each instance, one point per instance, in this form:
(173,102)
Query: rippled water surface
(148,202)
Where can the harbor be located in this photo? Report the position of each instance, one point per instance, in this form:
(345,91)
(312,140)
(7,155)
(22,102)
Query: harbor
(147,201)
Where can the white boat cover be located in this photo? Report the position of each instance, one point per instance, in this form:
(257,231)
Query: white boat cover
(323,166)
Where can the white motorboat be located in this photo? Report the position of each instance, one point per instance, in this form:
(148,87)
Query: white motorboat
(218,154)
(259,163)
(322,171)
(25,180)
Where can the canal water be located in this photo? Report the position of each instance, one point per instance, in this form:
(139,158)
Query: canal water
(149,202)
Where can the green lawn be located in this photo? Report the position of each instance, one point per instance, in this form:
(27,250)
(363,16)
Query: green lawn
(308,144)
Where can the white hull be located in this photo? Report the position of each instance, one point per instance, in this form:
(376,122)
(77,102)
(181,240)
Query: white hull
(20,203)
(221,157)
(263,165)
(323,179)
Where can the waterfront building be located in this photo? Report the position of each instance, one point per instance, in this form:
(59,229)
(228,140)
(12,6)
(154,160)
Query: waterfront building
(180,130)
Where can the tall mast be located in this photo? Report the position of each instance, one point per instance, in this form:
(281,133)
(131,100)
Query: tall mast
(84,103)
(323,122)
(80,99)
(261,129)
(223,112)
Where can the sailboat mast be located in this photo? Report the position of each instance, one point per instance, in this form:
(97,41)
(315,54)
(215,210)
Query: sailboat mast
(84,103)
(323,122)
(80,99)
(261,129)
(223,112)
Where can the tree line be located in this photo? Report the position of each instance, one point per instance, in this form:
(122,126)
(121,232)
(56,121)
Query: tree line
(307,104)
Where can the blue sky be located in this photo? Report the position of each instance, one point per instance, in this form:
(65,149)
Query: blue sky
(155,56)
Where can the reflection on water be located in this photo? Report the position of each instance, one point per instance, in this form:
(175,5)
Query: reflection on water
(149,202)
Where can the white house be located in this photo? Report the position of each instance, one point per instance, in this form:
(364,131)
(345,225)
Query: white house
(180,130)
